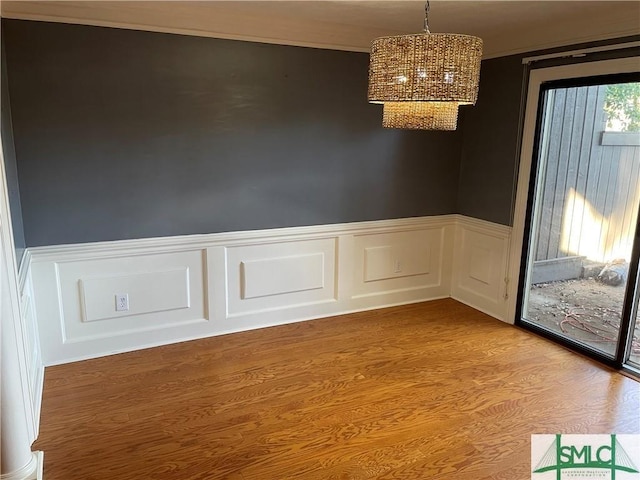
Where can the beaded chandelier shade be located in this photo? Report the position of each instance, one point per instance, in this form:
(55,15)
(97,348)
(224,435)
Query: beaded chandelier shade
(420,115)
(422,79)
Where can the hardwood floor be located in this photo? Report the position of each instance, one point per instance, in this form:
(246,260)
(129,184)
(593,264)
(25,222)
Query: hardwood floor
(428,391)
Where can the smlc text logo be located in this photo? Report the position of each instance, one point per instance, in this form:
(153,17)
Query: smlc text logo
(589,457)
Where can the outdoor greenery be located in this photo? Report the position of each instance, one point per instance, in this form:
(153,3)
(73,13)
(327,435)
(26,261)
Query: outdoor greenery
(622,105)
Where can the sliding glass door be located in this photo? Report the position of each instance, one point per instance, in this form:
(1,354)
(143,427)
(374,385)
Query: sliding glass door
(580,259)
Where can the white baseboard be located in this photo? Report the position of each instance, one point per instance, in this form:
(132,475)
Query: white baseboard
(183,288)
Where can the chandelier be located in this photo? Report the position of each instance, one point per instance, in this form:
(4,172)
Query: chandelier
(421,79)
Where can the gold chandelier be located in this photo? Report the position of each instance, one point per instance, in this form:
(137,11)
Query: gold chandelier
(421,79)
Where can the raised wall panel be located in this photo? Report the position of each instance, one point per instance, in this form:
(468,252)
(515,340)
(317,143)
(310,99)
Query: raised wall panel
(164,290)
(98,294)
(281,275)
(480,266)
(396,262)
(270,276)
(33,355)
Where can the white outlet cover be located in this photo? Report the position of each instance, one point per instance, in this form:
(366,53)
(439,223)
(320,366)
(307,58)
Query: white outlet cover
(122,302)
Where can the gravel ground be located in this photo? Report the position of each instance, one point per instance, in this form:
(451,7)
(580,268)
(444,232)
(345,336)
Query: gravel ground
(583,309)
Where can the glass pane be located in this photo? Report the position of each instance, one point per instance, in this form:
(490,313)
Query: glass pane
(584,213)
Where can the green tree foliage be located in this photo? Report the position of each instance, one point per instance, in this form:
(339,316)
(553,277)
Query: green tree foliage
(622,105)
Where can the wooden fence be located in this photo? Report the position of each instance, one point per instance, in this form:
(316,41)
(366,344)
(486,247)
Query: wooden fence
(588,201)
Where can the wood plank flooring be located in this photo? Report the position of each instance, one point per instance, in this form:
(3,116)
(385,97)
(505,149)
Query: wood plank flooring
(428,391)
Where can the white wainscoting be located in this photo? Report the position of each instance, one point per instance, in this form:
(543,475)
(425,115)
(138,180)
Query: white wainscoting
(163,290)
(182,288)
(480,266)
(76,292)
(34,367)
(401,265)
(276,276)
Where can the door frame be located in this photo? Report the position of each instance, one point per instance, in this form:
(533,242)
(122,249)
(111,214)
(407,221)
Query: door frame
(526,182)
(536,78)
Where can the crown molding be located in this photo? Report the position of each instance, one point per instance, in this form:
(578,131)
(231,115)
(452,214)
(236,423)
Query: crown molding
(349,25)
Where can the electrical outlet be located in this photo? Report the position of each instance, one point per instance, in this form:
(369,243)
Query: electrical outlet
(122,302)
(397,266)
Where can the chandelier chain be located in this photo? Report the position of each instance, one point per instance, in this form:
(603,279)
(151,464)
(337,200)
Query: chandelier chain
(426,17)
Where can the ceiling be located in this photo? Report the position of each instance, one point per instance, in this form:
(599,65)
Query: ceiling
(507,27)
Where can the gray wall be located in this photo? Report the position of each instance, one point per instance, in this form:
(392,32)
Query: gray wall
(124,134)
(490,145)
(9,154)
(491,139)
